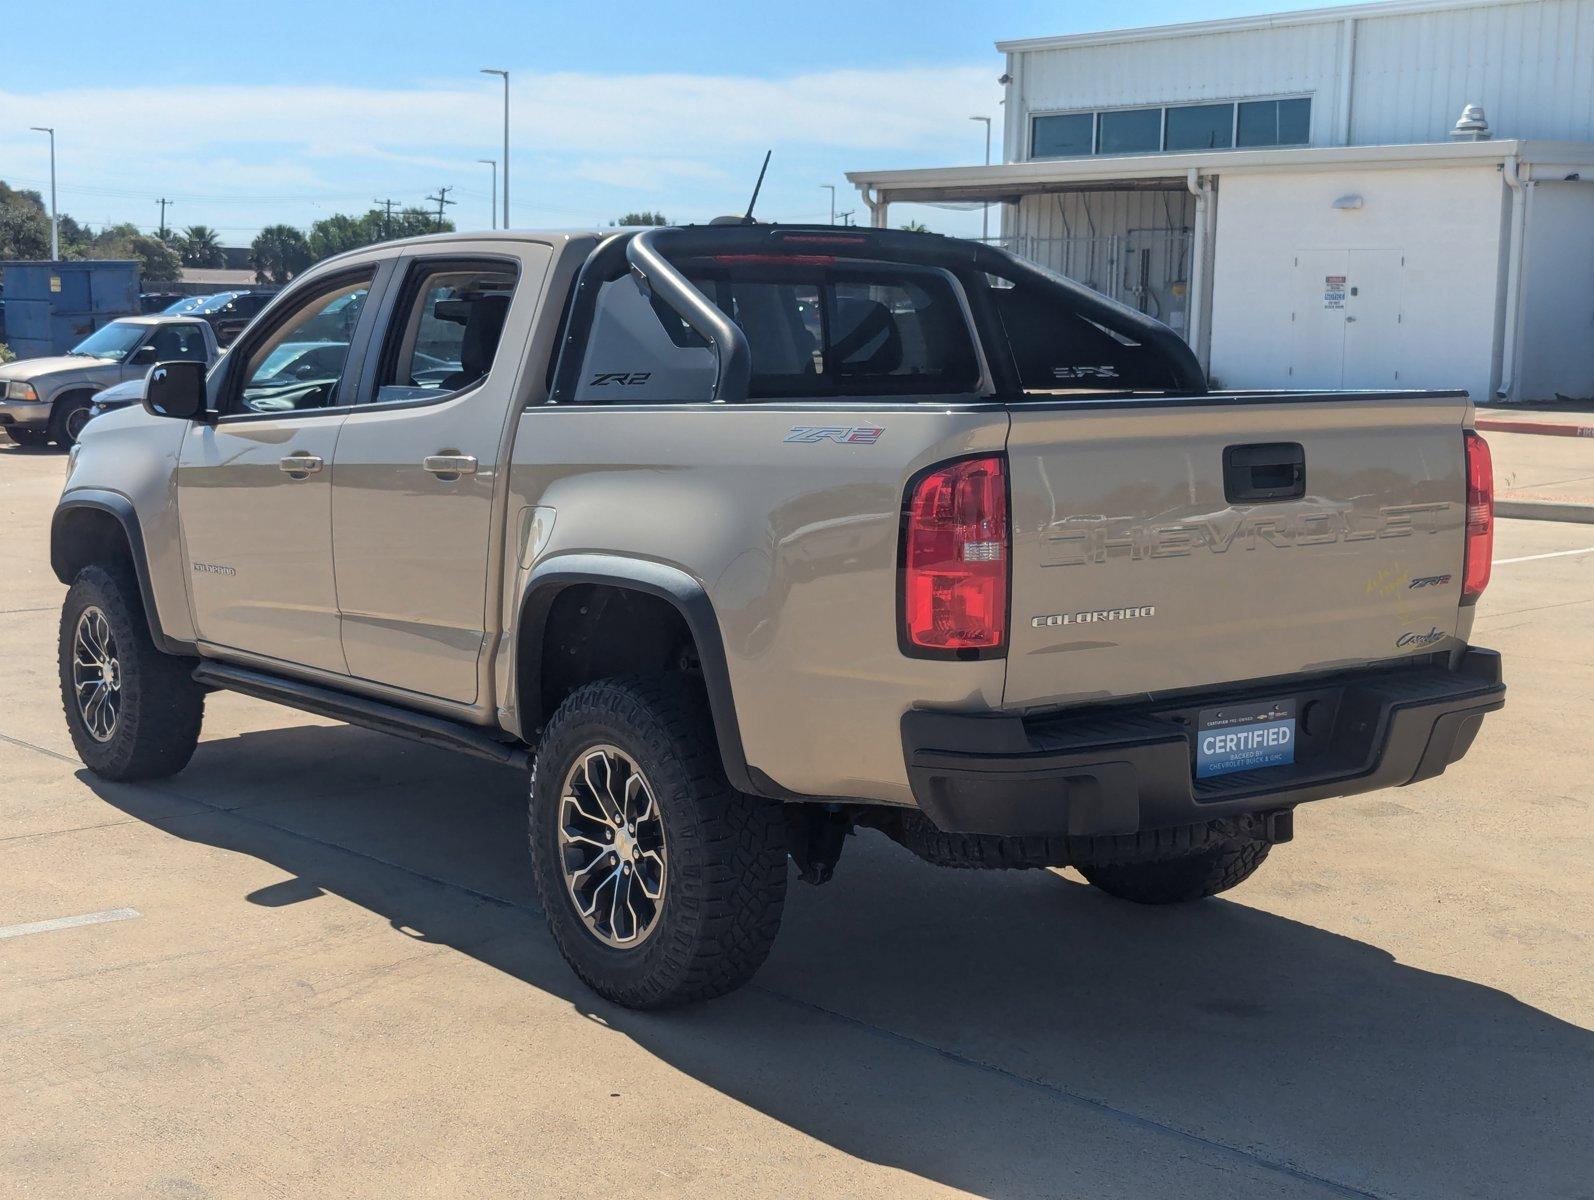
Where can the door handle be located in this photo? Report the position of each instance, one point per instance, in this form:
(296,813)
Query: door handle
(450,466)
(301,462)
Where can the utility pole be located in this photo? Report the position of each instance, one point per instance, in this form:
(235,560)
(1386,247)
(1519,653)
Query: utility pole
(505,74)
(163,202)
(846,217)
(441,199)
(387,218)
(832,189)
(493,211)
(55,221)
(985,209)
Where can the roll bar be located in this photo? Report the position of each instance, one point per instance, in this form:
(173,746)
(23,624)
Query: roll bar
(732,354)
(645,255)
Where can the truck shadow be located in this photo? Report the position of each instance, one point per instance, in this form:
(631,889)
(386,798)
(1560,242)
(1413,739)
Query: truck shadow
(1006,1034)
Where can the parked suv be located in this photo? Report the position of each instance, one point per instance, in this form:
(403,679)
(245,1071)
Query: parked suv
(736,538)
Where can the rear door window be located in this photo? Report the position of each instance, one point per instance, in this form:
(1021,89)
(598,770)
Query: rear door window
(816,329)
(445,330)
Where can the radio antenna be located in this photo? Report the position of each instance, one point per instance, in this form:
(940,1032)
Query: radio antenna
(748,219)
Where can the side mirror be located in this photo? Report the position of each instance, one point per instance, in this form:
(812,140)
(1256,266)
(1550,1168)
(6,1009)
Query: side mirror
(175,389)
(145,354)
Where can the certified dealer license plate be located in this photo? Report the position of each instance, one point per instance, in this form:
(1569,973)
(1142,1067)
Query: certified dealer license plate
(1245,737)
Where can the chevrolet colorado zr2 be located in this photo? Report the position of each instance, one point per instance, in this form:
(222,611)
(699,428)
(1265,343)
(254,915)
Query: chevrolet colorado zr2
(738,537)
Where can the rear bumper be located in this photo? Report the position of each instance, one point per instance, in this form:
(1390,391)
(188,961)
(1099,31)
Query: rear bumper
(1126,769)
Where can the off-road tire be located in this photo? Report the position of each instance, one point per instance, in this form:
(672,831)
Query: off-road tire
(62,417)
(1217,868)
(29,437)
(161,707)
(726,852)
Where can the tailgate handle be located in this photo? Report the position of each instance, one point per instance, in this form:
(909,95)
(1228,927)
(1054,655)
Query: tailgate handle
(1267,471)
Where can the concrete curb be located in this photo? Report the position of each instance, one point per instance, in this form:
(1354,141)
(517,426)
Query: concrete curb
(1545,510)
(1549,428)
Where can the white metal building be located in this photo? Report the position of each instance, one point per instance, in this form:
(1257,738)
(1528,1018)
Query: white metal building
(1296,194)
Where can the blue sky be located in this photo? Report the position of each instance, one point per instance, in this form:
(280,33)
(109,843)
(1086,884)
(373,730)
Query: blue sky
(284,110)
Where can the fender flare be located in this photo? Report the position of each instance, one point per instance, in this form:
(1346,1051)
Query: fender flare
(671,584)
(121,508)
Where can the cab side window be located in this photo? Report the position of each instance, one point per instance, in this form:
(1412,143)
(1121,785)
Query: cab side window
(302,362)
(445,330)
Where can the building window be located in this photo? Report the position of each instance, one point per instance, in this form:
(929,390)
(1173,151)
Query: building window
(1129,131)
(1069,136)
(1274,123)
(1172,127)
(1200,127)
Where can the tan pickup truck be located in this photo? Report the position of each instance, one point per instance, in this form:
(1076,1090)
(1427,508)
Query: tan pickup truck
(737,538)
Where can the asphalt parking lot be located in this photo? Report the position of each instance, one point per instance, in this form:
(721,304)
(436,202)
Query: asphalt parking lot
(324,974)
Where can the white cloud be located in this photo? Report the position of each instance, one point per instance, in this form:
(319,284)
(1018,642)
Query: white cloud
(292,151)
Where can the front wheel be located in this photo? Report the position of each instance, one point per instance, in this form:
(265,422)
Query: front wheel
(660,882)
(133,712)
(1206,872)
(70,416)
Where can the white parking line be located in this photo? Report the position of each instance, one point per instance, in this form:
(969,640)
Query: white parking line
(1501,562)
(96,918)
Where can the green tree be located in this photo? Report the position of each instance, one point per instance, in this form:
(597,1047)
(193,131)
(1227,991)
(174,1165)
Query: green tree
(915,227)
(413,222)
(645,217)
(24,225)
(278,253)
(199,246)
(341,232)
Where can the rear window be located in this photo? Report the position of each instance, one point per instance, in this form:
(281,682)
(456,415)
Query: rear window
(815,329)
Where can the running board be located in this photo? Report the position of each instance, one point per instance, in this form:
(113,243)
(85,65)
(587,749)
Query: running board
(362,711)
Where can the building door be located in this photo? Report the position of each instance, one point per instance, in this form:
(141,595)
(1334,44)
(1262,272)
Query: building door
(1346,319)
(1373,320)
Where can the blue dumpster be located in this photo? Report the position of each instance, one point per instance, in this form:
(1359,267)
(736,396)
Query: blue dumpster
(52,306)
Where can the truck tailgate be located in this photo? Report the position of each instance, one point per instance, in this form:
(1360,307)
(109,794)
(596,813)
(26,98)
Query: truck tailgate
(1165,545)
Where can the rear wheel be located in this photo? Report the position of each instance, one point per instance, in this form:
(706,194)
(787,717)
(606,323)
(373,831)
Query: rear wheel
(133,712)
(661,884)
(1206,872)
(28,437)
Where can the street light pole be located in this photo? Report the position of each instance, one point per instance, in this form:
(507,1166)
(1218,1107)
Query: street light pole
(985,209)
(55,222)
(832,189)
(493,163)
(505,74)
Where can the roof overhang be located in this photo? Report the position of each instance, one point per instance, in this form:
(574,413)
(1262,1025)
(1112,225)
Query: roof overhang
(1009,181)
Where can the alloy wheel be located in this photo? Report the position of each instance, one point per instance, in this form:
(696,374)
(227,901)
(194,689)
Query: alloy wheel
(96,674)
(611,847)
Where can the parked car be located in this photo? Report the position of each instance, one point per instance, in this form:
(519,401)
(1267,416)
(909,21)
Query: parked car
(50,399)
(184,305)
(978,560)
(229,312)
(158,302)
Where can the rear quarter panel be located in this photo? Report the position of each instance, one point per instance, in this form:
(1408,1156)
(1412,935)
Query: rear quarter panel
(795,544)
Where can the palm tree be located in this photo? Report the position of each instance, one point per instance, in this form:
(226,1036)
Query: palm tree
(278,253)
(200,247)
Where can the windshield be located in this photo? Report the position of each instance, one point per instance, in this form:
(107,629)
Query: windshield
(114,341)
(216,303)
(186,304)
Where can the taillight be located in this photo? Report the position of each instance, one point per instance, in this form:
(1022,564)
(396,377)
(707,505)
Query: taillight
(954,561)
(1480,518)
